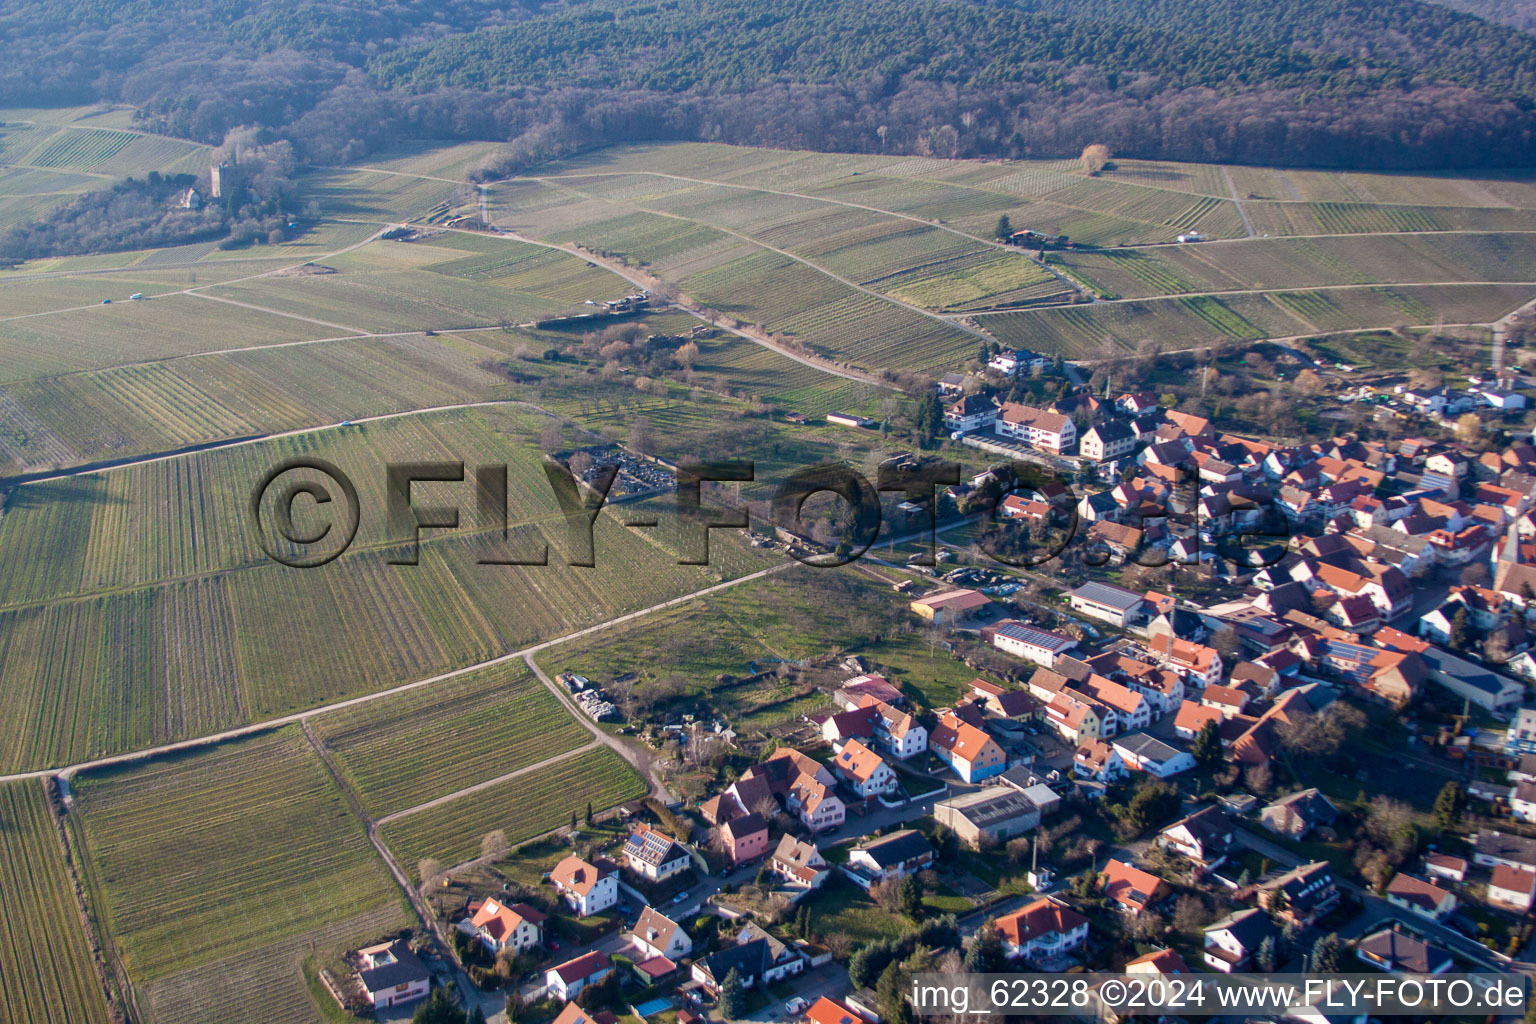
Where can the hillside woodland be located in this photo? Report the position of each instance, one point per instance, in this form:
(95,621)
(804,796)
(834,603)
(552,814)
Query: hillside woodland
(1344,83)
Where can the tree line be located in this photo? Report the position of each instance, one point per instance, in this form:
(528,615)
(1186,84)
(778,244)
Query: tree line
(1339,83)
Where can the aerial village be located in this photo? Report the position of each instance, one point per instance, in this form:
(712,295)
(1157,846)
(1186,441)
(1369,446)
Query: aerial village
(1314,751)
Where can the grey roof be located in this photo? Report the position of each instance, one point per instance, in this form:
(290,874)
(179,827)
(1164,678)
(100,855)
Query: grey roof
(1506,847)
(1110,595)
(1113,430)
(1250,927)
(1038,637)
(1145,745)
(987,807)
(1465,672)
(406,967)
(897,848)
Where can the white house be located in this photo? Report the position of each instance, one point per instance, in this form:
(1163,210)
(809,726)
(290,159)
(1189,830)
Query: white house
(588,888)
(1145,753)
(655,855)
(1421,897)
(1107,441)
(970,412)
(1040,428)
(1522,802)
(894,856)
(864,770)
(565,981)
(1040,930)
(1230,942)
(392,974)
(515,926)
(655,934)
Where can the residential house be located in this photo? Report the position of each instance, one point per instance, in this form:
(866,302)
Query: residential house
(1398,952)
(1205,837)
(1159,961)
(895,732)
(1423,898)
(515,926)
(656,934)
(1301,895)
(1143,752)
(969,751)
(392,974)
(1192,662)
(970,412)
(991,815)
(815,803)
(1231,942)
(1226,701)
(896,855)
(1107,441)
(1132,710)
(1041,930)
(573,1014)
(1522,802)
(1192,718)
(1099,761)
(1041,428)
(1490,849)
(654,855)
(864,771)
(798,864)
(1118,539)
(1014,705)
(1298,814)
(745,838)
(1079,721)
(1015,506)
(830,1011)
(755,956)
(565,981)
(1512,888)
(1130,889)
(588,888)
(1443,865)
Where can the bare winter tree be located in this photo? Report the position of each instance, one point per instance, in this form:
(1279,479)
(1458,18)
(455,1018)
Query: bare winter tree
(494,846)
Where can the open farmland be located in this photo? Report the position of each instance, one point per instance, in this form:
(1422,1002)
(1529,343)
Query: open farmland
(240,849)
(130,332)
(46,972)
(524,807)
(1101,329)
(405,750)
(178,625)
(394,286)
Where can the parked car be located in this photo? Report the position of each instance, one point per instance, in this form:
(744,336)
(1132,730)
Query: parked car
(796,1006)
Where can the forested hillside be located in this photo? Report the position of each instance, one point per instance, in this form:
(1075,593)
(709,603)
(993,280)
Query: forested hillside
(1384,83)
(1519,13)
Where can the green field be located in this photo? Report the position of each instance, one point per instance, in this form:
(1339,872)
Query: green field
(221,857)
(521,808)
(177,624)
(405,750)
(46,972)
